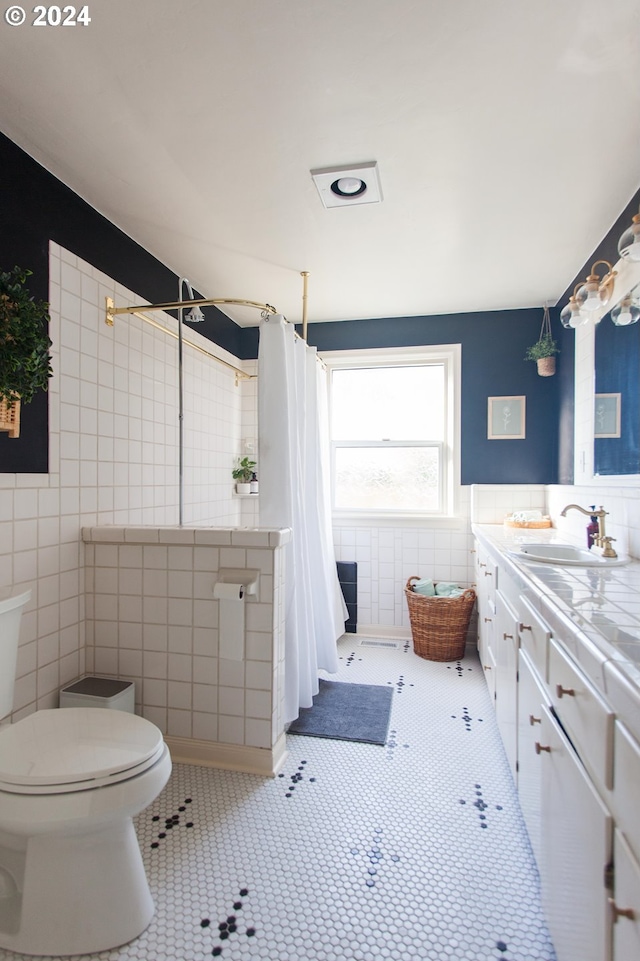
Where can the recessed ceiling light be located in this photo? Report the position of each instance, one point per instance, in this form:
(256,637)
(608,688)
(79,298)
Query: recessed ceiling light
(348,185)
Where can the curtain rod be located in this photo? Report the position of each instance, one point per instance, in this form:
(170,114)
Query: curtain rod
(111,311)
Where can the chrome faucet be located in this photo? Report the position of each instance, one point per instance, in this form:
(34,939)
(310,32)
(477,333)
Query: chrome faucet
(600,539)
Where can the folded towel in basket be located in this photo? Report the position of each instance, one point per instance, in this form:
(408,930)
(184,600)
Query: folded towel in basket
(448,589)
(425,586)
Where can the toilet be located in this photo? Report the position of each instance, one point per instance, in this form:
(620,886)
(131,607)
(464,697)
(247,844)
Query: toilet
(72,879)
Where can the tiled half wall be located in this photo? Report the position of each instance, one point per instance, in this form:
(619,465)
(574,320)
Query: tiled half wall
(152,618)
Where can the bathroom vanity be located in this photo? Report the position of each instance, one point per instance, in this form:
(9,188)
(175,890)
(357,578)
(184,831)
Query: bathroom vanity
(560,648)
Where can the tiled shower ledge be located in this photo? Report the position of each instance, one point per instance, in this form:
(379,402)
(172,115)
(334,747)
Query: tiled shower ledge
(213,536)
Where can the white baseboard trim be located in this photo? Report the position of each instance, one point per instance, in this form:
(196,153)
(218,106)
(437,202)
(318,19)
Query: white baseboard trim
(266,762)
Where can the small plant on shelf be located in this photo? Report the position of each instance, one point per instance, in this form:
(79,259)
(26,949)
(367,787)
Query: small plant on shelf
(242,474)
(25,361)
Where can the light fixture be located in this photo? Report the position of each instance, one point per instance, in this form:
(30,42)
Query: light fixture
(627,312)
(629,243)
(349,185)
(596,291)
(571,315)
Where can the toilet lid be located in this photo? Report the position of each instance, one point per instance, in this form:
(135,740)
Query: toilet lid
(72,748)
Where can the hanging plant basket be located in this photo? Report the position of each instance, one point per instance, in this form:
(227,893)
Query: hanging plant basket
(10,416)
(546,366)
(545,348)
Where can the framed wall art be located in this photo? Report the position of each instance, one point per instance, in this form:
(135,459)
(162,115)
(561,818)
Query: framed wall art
(506,418)
(606,415)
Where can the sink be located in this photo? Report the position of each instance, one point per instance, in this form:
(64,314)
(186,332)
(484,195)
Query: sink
(566,555)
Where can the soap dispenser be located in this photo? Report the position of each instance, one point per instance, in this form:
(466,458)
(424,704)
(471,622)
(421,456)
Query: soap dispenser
(592,528)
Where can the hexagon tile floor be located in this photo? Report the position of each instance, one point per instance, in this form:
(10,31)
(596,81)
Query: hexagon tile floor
(415,851)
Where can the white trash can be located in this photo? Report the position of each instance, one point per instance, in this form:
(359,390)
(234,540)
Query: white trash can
(105,692)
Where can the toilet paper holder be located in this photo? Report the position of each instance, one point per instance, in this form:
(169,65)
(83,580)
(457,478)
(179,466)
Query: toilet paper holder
(249,579)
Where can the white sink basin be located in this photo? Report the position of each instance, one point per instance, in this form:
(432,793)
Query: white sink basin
(566,555)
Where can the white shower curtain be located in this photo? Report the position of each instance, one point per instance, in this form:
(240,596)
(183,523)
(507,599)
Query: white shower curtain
(294,492)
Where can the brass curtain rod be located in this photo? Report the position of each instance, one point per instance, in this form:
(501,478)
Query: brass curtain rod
(111,311)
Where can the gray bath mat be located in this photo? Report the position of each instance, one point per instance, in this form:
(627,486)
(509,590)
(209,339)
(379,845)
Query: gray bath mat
(348,712)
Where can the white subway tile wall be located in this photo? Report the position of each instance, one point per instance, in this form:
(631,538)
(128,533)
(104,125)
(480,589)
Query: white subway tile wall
(113,460)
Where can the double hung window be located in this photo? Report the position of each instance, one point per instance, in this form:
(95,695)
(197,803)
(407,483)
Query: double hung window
(393,428)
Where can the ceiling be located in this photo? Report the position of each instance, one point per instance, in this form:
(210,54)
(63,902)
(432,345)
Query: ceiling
(507,137)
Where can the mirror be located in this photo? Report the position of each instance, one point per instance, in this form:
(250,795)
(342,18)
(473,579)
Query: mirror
(608,459)
(616,445)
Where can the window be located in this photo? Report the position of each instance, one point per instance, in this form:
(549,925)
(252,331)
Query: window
(393,424)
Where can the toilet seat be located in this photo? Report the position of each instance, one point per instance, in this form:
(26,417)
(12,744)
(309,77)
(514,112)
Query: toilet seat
(76,749)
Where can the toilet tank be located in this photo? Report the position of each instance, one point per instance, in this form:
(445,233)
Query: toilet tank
(10,614)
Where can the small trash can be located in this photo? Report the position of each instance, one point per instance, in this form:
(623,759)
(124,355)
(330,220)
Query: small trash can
(105,692)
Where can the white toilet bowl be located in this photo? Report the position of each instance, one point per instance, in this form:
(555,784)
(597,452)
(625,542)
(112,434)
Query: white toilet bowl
(71,874)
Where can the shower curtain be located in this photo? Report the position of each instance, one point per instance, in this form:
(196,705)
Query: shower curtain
(294,492)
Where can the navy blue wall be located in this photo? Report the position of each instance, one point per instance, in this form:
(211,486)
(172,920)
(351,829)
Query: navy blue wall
(493,365)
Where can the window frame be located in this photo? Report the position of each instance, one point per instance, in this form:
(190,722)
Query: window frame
(449,355)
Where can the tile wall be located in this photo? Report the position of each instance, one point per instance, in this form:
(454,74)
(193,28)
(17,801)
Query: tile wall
(152,618)
(113,460)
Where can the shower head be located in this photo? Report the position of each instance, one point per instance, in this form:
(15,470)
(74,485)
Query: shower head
(195,316)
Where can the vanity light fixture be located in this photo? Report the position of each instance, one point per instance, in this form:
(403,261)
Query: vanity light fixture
(596,291)
(629,243)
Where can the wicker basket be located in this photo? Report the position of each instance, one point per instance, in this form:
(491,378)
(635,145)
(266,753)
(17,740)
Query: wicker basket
(439,624)
(10,417)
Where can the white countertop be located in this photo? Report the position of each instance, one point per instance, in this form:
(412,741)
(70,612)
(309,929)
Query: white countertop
(593,611)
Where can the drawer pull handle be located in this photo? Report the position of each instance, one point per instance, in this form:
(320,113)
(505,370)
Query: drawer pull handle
(542,747)
(621,912)
(534,720)
(480,564)
(488,574)
(487,667)
(561,691)
(526,627)
(507,637)
(488,620)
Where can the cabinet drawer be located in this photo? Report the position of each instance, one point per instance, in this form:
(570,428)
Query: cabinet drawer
(626,795)
(534,637)
(587,719)
(486,574)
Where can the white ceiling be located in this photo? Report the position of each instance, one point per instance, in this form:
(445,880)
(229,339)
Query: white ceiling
(507,136)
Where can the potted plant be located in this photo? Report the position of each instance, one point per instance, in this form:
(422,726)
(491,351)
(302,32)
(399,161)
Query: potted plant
(544,349)
(242,474)
(25,361)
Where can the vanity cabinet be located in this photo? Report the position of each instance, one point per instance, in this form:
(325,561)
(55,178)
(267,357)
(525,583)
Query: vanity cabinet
(625,904)
(506,677)
(486,580)
(576,766)
(576,843)
(532,696)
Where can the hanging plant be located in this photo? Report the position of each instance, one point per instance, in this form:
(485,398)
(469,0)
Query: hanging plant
(545,348)
(25,361)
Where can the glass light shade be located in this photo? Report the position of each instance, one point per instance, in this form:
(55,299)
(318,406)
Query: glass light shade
(629,243)
(591,296)
(571,315)
(625,314)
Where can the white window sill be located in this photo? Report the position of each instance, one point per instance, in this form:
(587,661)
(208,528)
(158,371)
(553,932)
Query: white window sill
(397,519)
